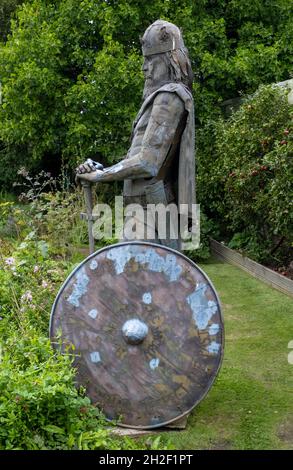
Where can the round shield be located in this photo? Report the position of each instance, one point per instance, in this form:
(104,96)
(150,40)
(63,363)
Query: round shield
(147,331)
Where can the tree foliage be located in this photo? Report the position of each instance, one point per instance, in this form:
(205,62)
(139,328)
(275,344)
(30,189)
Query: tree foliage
(70,71)
(7,10)
(245,175)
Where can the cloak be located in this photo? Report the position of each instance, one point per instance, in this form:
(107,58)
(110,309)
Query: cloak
(186,168)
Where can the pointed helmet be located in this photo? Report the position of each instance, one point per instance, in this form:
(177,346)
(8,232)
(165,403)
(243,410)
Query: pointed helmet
(161,36)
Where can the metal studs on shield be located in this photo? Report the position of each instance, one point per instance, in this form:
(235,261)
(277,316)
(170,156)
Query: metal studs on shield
(147,329)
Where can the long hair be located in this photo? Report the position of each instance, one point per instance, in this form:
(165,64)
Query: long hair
(179,67)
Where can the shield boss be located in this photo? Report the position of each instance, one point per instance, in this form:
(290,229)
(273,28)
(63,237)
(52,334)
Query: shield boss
(147,329)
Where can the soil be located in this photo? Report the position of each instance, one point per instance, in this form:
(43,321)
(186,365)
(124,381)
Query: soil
(285,432)
(286,271)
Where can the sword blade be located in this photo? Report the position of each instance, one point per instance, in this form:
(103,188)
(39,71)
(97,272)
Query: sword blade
(88,198)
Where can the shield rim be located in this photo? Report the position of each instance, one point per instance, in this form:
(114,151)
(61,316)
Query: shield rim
(178,253)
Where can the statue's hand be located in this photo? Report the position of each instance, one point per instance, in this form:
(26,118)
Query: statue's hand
(88,166)
(89,171)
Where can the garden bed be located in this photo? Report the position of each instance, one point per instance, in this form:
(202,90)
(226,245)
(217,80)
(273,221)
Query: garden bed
(257,270)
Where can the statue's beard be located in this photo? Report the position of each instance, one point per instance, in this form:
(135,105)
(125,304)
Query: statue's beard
(150,86)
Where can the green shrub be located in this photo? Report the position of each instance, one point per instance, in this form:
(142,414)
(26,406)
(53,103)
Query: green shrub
(40,407)
(246,175)
(208,229)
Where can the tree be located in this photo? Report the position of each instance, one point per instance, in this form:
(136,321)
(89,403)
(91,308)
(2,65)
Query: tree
(7,9)
(71,79)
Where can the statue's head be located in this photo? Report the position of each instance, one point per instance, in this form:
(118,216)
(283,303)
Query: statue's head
(165,56)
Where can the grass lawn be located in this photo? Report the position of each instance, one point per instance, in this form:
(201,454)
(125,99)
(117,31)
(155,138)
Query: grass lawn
(250,406)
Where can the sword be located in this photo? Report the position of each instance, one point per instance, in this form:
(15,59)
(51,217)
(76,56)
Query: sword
(88,198)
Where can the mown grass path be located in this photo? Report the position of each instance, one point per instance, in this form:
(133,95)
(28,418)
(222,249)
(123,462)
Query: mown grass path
(250,406)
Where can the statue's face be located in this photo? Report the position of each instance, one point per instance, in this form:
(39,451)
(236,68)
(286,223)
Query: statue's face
(155,71)
(154,68)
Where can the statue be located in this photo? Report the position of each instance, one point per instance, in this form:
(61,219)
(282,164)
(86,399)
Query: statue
(144,320)
(160,164)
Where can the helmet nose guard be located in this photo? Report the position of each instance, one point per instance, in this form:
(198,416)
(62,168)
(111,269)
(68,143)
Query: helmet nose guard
(161,36)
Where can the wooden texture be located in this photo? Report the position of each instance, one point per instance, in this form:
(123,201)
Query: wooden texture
(162,378)
(272,278)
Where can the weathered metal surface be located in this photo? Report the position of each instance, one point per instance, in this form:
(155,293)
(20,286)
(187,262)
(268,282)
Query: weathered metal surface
(147,329)
(159,165)
(88,196)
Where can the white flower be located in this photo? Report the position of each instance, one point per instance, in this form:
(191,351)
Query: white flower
(26,297)
(10,261)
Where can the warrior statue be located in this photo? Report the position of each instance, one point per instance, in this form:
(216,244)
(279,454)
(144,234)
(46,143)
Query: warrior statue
(160,164)
(144,320)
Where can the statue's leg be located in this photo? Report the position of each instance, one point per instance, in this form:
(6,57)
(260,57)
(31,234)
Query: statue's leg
(138,227)
(144,227)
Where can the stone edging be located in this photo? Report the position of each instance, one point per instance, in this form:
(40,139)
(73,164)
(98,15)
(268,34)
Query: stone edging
(266,275)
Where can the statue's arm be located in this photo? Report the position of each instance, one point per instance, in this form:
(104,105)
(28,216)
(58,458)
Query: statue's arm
(166,114)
